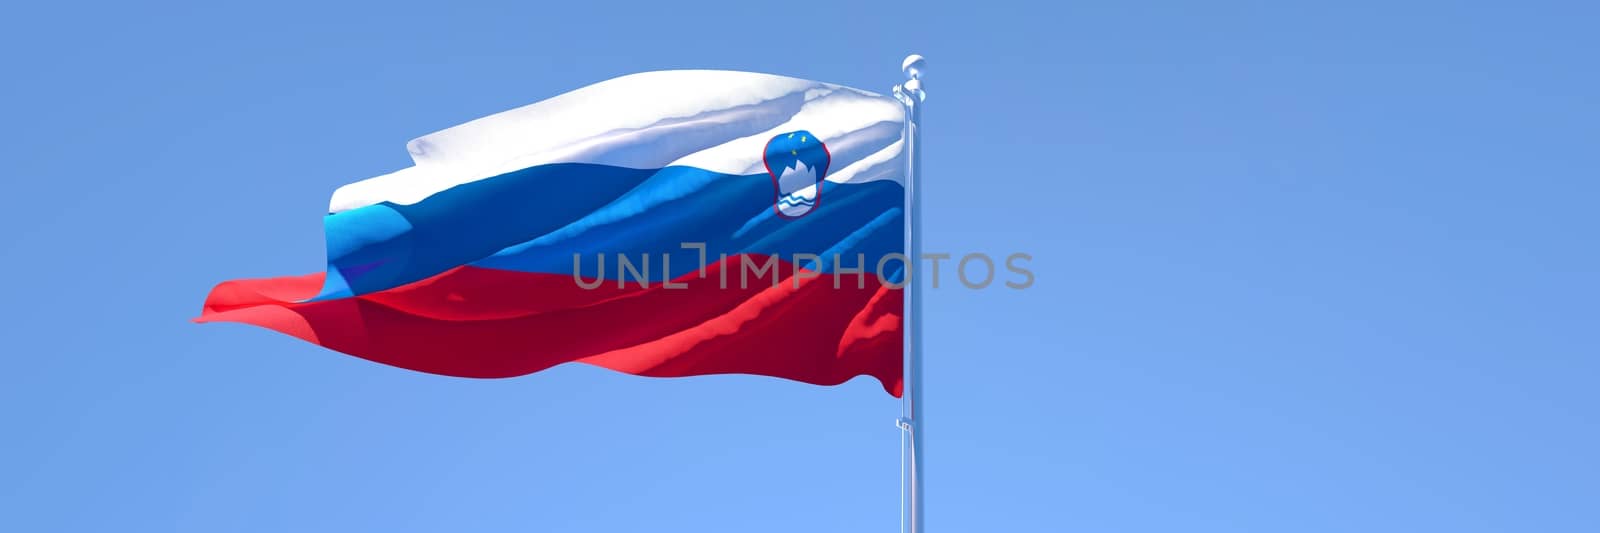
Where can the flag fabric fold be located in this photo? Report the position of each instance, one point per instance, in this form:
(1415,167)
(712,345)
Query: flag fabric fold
(671,223)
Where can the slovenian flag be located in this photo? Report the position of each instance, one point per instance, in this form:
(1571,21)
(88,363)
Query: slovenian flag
(669,223)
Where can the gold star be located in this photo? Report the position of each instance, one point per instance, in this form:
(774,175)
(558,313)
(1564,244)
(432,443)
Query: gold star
(802,138)
(791,135)
(794,152)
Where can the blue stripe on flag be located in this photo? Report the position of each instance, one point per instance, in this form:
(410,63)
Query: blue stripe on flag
(535,219)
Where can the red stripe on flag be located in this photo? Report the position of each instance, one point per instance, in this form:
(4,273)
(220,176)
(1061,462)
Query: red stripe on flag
(485,323)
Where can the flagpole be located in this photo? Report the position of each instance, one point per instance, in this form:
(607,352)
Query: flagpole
(912,412)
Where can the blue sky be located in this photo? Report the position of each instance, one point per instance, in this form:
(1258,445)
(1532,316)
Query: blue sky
(1307,268)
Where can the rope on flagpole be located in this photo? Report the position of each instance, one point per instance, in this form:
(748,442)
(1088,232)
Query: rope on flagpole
(911,421)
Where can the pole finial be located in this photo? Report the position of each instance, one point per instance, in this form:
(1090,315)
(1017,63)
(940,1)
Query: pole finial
(914,66)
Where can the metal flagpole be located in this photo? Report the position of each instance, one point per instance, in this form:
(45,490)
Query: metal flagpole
(913,434)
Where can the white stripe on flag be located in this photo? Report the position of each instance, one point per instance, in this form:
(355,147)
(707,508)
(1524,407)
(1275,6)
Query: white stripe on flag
(715,120)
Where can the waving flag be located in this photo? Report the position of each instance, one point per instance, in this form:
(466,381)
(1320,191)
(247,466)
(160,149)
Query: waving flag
(670,223)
